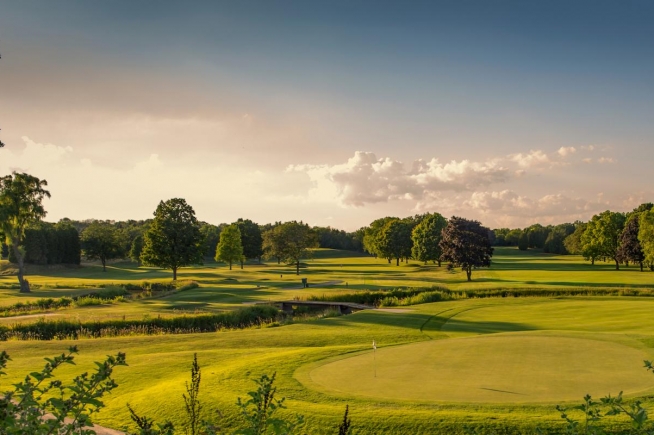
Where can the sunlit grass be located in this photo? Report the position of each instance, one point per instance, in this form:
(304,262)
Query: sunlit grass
(154,381)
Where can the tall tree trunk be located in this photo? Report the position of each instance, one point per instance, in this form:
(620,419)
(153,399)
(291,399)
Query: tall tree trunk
(297,267)
(439,263)
(617,264)
(241,264)
(397,261)
(641,266)
(469,272)
(174,273)
(104,264)
(24,284)
(230,264)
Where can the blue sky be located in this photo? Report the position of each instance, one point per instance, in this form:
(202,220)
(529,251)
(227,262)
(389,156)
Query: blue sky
(332,112)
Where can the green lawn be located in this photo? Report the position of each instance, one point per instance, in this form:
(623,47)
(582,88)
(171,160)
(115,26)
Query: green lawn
(497,363)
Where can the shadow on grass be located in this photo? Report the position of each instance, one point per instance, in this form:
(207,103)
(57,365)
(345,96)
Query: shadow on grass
(427,323)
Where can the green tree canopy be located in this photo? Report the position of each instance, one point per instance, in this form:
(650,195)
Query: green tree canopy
(371,237)
(230,248)
(523,241)
(466,244)
(136,249)
(101,241)
(630,248)
(537,235)
(426,238)
(173,239)
(572,242)
(512,238)
(646,236)
(602,236)
(394,240)
(211,234)
(21,204)
(251,239)
(290,241)
(555,240)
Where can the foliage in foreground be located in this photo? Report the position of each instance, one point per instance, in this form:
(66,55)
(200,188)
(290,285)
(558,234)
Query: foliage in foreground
(42,404)
(594,412)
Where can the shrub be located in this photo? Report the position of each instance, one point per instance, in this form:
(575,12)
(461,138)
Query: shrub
(23,410)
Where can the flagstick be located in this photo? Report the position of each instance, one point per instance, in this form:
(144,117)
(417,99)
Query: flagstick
(374,360)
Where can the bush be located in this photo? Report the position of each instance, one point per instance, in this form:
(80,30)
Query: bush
(108,293)
(24,410)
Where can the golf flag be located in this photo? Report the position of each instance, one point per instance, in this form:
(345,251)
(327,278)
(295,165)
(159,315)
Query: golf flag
(374,345)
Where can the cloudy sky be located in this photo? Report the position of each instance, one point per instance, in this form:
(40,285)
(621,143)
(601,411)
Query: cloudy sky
(334,112)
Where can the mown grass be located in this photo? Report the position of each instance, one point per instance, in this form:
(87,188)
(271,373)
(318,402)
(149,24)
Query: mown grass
(159,366)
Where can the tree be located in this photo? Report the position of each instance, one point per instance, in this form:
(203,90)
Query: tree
(602,236)
(630,249)
(136,249)
(211,234)
(465,244)
(537,235)
(290,241)
(173,239)
(426,237)
(250,239)
(394,240)
(100,241)
(554,243)
(21,197)
(573,243)
(646,236)
(230,248)
(273,244)
(523,241)
(68,243)
(371,241)
(512,238)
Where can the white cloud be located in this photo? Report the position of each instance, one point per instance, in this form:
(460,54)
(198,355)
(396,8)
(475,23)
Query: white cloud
(532,159)
(604,160)
(565,151)
(510,203)
(366,179)
(588,147)
(34,157)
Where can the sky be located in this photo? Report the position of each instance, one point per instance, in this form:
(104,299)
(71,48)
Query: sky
(332,112)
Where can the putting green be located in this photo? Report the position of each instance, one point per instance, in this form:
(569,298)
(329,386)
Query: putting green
(502,368)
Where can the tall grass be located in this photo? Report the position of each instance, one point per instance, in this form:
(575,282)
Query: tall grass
(414,296)
(256,315)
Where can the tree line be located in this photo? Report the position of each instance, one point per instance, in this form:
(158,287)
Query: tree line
(621,238)
(174,238)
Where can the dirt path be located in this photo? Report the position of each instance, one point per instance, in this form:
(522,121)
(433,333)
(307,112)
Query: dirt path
(99,430)
(30,316)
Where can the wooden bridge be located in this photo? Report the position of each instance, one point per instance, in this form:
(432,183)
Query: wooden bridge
(341,307)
